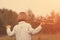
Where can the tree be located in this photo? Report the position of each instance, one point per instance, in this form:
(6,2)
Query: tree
(31,18)
(7,17)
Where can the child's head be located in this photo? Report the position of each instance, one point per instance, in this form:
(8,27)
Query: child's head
(22,16)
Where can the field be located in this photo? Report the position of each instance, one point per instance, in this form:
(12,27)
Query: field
(36,37)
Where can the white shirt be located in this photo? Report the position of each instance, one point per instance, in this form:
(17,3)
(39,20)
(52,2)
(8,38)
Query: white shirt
(23,31)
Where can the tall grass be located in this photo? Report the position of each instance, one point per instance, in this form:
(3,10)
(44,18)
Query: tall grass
(36,37)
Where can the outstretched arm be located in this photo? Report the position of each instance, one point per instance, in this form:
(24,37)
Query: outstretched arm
(9,32)
(36,30)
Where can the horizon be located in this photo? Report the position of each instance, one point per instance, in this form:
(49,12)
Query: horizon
(38,7)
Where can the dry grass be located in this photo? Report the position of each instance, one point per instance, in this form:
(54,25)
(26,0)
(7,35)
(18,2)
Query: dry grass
(36,37)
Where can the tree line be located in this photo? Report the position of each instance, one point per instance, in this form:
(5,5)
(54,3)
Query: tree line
(51,26)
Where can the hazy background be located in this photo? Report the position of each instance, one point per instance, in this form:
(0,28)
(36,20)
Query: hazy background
(39,7)
(51,28)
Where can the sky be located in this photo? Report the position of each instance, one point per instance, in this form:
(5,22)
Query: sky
(38,7)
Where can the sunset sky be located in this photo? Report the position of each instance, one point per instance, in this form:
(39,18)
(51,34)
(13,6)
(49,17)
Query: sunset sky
(39,7)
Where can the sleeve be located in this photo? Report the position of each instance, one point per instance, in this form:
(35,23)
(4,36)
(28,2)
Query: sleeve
(36,30)
(9,32)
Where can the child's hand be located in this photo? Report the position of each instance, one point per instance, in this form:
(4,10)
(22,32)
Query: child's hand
(42,23)
(8,26)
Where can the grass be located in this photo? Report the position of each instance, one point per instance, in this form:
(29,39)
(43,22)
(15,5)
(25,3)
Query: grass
(37,37)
